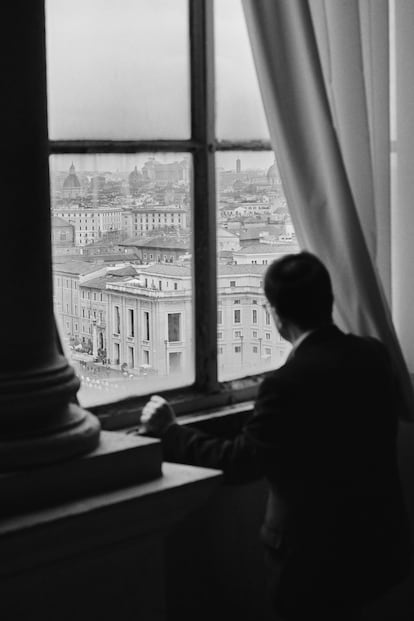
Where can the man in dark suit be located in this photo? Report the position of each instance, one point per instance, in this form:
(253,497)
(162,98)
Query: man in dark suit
(323,433)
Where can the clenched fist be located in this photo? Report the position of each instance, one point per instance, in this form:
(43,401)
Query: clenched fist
(157,415)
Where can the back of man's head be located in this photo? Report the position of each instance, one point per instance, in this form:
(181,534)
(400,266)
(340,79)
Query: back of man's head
(298,286)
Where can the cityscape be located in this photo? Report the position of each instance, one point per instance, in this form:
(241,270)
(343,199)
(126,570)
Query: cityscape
(122,259)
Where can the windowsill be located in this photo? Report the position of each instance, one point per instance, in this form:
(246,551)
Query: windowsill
(189,405)
(80,526)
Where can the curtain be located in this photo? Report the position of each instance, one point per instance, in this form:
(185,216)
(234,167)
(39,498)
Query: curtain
(324,78)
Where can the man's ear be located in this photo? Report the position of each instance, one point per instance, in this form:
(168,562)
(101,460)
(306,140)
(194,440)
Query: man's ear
(276,318)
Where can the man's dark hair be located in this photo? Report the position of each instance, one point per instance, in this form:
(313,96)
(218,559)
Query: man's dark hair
(299,287)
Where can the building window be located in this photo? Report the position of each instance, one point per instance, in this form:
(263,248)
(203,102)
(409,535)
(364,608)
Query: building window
(237,317)
(237,349)
(131,322)
(174,320)
(232,283)
(268,336)
(254,334)
(117,320)
(174,362)
(219,317)
(236,302)
(237,334)
(131,357)
(255,349)
(254,316)
(116,353)
(145,356)
(267,318)
(147,334)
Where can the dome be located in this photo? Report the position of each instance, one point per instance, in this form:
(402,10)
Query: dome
(71,180)
(134,176)
(273,174)
(134,179)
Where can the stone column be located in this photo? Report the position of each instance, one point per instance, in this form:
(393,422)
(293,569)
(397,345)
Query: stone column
(39,423)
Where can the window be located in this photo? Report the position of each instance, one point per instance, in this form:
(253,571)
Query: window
(145,356)
(117,320)
(268,336)
(131,322)
(254,316)
(131,357)
(174,327)
(255,349)
(116,353)
(147,334)
(96,127)
(237,334)
(237,349)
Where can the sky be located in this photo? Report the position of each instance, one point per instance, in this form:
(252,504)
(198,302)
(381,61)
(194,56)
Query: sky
(119,70)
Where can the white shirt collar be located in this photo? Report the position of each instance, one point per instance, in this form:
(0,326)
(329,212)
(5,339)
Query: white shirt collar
(299,340)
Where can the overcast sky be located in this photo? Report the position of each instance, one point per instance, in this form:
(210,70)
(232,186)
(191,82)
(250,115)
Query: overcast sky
(119,70)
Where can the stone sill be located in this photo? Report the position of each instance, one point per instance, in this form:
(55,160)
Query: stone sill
(119,460)
(74,528)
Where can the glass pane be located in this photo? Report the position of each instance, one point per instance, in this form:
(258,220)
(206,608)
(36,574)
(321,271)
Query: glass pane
(240,113)
(254,228)
(122,247)
(118,70)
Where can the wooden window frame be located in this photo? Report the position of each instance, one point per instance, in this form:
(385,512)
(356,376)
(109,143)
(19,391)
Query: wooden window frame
(207,391)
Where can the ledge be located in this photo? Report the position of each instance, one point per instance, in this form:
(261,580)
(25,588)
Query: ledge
(70,530)
(119,460)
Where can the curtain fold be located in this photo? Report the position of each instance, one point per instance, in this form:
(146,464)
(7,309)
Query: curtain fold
(329,132)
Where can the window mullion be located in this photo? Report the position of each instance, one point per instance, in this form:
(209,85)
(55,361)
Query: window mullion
(204,192)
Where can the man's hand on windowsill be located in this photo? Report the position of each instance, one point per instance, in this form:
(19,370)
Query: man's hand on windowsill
(157,415)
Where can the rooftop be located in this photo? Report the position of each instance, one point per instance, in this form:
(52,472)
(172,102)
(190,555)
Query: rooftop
(166,269)
(268,249)
(77,267)
(158,242)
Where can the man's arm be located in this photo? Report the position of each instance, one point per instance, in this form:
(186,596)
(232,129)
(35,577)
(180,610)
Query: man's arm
(242,458)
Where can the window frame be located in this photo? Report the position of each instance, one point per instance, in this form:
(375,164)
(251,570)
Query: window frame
(202,145)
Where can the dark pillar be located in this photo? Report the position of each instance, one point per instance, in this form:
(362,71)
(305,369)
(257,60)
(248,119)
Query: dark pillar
(38,422)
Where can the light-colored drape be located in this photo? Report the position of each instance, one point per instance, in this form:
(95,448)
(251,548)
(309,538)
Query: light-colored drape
(326,101)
